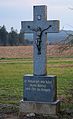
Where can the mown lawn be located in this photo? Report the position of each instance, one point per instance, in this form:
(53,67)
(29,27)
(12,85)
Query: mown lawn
(13,70)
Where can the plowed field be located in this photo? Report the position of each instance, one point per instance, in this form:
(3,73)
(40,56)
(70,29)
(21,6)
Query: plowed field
(27,51)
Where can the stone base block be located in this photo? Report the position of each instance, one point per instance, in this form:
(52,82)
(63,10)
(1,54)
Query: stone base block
(40,107)
(40,88)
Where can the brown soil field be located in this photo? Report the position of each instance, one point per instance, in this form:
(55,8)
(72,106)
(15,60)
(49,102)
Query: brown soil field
(27,51)
(16,52)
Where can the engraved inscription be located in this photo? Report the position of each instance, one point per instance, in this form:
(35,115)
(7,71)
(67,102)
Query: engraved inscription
(38,85)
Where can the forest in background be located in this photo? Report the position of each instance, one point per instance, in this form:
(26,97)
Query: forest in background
(12,38)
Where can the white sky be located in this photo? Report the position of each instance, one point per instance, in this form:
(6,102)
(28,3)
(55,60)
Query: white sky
(12,12)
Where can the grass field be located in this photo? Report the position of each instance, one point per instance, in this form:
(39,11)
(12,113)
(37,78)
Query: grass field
(13,70)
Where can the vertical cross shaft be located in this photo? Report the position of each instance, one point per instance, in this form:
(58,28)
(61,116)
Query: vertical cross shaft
(40,38)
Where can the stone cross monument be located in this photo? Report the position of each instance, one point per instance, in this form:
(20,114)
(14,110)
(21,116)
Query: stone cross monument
(40,89)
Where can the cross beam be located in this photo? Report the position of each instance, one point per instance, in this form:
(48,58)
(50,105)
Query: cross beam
(53,29)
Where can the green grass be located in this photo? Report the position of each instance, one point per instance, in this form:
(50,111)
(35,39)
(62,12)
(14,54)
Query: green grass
(11,80)
(13,70)
(63,69)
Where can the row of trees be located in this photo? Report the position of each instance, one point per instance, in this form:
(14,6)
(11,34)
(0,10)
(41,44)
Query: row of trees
(12,38)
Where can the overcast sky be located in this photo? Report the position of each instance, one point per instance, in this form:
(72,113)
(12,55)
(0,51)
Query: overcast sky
(12,12)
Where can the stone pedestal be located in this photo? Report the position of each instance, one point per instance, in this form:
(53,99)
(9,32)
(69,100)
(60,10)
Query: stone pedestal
(43,108)
(39,95)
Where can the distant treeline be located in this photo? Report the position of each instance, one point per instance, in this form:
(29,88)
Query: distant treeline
(12,38)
